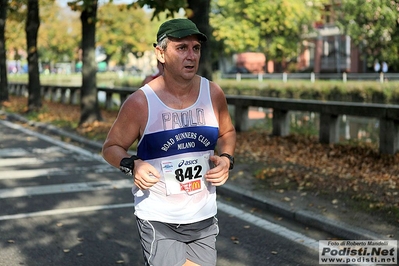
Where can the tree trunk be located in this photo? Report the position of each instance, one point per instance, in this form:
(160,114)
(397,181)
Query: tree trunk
(201,9)
(3,64)
(89,108)
(32,28)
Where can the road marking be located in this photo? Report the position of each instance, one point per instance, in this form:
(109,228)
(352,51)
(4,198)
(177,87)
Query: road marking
(19,161)
(64,188)
(32,173)
(275,228)
(65,211)
(53,141)
(13,152)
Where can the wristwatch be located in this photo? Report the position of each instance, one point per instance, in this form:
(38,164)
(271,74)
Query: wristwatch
(127,165)
(231,158)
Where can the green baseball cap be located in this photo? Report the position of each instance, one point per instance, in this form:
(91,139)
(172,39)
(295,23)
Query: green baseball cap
(179,28)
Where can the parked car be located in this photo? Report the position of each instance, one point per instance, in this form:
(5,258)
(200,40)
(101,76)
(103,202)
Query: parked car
(238,69)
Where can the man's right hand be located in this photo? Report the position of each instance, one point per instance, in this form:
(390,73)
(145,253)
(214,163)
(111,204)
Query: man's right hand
(145,175)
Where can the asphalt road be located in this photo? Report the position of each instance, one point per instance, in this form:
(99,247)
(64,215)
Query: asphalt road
(64,205)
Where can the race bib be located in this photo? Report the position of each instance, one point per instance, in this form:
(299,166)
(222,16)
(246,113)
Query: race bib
(185,175)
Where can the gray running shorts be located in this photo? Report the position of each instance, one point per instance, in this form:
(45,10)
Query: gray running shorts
(166,244)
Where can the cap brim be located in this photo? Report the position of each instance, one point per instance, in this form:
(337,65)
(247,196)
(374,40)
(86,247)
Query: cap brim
(184,33)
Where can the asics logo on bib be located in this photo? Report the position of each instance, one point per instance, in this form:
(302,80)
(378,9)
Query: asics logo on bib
(190,162)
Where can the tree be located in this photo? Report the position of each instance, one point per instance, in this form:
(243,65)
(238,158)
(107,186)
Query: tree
(200,16)
(59,33)
(32,28)
(121,31)
(373,26)
(12,20)
(16,29)
(170,7)
(89,108)
(272,27)
(3,65)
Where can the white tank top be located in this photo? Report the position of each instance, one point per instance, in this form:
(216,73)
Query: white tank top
(178,144)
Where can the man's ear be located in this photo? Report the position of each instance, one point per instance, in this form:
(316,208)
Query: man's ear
(160,54)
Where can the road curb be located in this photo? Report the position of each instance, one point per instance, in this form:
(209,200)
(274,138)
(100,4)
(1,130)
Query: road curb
(308,218)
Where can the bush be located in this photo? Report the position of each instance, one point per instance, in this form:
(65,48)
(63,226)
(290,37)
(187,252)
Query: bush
(352,91)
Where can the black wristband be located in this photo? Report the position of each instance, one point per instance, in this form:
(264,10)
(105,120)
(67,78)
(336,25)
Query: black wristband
(231,158)
(127,165)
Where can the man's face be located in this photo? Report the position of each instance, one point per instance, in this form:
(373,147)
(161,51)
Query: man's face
(182,56)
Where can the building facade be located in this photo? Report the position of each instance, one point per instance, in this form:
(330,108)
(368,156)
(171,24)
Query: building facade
(328,50)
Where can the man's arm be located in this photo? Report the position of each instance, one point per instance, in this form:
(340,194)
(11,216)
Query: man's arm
(125,129)
(227,138)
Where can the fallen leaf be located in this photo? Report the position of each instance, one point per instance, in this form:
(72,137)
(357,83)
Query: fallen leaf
(235,240)
(334,201)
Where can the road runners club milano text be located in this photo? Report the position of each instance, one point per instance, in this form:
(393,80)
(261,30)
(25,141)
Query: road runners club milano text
(174,120)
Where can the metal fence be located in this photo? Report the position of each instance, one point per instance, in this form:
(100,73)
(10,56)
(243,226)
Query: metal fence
(344,77)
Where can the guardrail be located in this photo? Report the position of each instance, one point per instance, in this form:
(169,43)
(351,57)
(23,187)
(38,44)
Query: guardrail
(344,77)
(329,111)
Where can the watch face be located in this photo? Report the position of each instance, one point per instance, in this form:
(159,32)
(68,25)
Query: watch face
(126,170)
(127,165)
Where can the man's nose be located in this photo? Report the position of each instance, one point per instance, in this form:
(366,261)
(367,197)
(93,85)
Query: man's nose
(191,54)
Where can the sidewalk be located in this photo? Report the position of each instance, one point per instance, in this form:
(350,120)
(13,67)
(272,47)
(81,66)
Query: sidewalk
(311,210)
